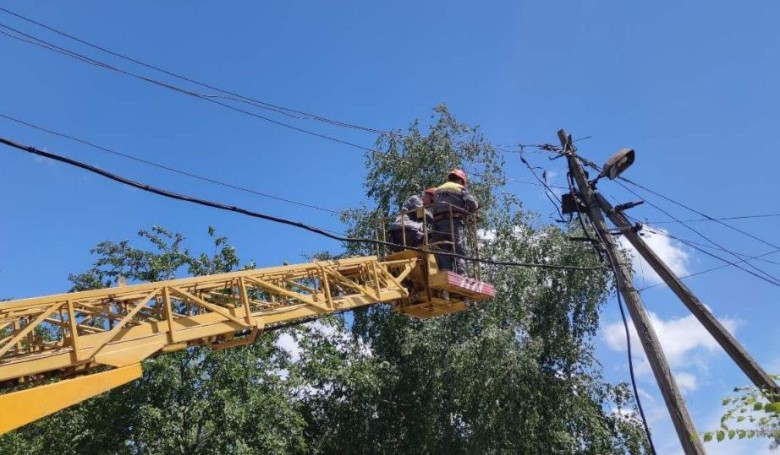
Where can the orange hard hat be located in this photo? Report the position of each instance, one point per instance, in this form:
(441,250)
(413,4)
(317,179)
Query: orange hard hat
(431,191)
(459,174)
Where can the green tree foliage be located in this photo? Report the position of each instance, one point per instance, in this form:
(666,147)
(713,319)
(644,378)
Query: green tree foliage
(749,414)
(512,375)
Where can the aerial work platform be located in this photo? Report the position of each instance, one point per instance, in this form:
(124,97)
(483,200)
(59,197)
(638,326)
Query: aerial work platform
(434,293)
(79,335)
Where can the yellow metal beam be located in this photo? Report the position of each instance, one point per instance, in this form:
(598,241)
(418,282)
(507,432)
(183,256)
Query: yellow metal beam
(120,327)
(25,406)
(134,322)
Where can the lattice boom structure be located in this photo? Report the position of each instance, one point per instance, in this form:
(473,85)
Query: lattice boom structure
(112,330)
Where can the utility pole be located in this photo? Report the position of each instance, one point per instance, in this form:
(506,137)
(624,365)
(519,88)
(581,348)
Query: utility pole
(674,402)
(727,341)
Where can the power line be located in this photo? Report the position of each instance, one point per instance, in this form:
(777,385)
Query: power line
(29,39)
(167,168)
(766,276)
(613,266)
(770,280)
(709,218)
(711,269)
(655,230)
(543,182)
(275,219)
(293,113)
(725,218)
(526,182)
(631,365)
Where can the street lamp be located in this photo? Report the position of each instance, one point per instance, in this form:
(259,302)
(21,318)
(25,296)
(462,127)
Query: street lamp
(617,163)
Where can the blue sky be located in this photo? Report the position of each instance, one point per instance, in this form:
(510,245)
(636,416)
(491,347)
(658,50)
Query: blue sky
(691,86)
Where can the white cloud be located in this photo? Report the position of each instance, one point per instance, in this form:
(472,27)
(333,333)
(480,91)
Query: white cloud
(686,381)
(289,344)
(342,339)
(486,235)
(685,342)
(669,250)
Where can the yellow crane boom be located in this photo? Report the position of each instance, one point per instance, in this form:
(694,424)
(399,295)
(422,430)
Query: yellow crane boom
(97,339)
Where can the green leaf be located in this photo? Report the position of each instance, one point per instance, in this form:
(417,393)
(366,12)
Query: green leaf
(726,401)
(708,436)
(758,407)
(772,407)
(721,435)
(732,433)
(742,434)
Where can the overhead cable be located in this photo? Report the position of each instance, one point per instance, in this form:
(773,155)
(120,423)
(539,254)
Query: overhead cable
(710,218)
(761,274)
(29,39)
(294,113)
(723,218)
(168,168)
(543,182)
(712,269)
(613,266)
(766,276)
(275,219)
(655,230)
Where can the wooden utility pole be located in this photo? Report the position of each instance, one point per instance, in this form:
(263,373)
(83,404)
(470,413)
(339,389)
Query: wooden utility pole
(729,344)
(674,402)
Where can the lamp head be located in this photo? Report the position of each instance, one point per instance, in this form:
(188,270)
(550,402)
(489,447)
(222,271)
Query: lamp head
(617,163)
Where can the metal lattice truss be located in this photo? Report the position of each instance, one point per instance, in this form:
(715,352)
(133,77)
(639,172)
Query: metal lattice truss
(72,333)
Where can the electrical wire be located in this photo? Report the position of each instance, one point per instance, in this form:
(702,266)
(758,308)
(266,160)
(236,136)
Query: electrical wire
(167,168)
(294,113)
(547,189)
(631,366)
(734,264)
(29,39)
(709,218)
(763,275)
(275,219)
(766,276)
(612,265)
(658,231)
(724,218)
(729,263)
(599,253)
(628,343)
(709,270)
(526,182)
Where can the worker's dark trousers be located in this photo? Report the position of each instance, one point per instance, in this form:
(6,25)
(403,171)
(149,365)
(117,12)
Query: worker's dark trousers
(442,232)
(413,237)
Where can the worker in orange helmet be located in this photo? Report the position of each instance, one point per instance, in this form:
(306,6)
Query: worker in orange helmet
(452,203)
